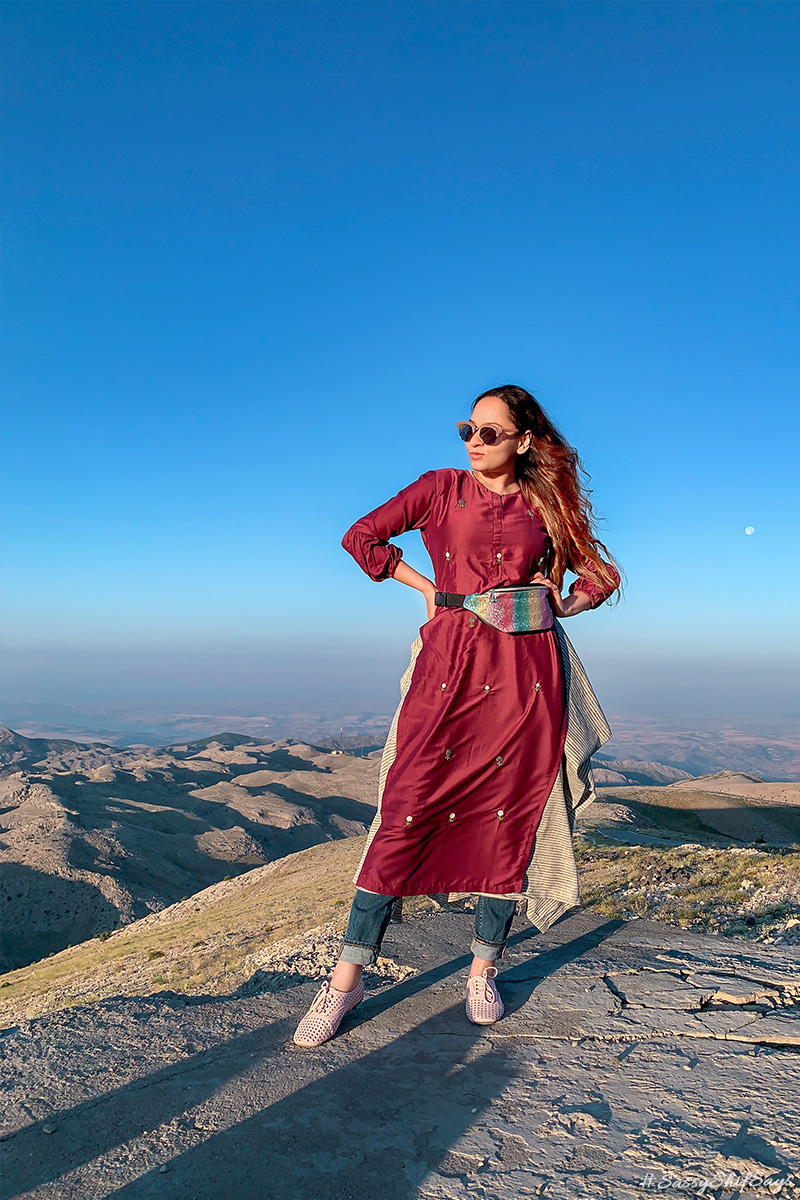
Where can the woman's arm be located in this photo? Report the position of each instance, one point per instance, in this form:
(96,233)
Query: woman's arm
(584,593)
(368,539)
(406,574)
(564,606)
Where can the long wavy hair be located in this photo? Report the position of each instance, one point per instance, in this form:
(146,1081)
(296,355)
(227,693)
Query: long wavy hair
(549,474)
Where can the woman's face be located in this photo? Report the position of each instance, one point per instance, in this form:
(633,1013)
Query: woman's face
(491,410)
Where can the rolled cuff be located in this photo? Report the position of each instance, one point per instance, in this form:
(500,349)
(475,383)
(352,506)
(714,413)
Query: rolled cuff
(379,559)
(358,952)
(596,593)
(486,950)
(592,590)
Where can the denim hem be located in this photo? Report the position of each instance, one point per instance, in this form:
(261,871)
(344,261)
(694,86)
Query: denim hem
(358,952)
(486,950)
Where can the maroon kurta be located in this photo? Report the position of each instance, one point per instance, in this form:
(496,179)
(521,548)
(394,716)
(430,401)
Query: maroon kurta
(481,730)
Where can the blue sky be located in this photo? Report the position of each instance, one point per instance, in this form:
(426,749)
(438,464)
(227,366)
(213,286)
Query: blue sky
(260,257)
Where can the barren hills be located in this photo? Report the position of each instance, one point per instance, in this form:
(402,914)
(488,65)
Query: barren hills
(95,837)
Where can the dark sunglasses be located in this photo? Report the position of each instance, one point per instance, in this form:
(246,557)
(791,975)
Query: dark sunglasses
(489,434)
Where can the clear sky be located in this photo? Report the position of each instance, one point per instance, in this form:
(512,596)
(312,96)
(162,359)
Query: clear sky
(260,257)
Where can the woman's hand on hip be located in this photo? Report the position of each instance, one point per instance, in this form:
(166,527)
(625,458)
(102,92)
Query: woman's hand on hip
(406,574)
(563,606)
(430,602)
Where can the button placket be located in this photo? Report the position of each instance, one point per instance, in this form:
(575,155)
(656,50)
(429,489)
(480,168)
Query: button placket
(497,532)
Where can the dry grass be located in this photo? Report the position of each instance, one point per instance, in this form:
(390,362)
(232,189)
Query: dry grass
(200,946)
(210,943)
(712,890)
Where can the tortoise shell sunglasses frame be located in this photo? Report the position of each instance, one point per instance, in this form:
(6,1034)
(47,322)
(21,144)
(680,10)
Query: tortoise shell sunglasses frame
(489,434)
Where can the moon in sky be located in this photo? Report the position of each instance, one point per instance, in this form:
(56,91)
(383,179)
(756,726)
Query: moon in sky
(750,529)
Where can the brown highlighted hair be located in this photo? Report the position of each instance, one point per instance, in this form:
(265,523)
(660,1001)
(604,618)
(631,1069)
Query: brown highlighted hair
(549,475)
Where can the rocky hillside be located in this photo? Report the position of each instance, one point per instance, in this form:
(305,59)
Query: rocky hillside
(94,836)
(281,924)
(616,770)
(725,808)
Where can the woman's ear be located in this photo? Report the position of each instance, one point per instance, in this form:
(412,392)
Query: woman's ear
(524,442)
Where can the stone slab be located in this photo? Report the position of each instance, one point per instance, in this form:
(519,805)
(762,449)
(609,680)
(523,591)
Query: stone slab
(610,1069)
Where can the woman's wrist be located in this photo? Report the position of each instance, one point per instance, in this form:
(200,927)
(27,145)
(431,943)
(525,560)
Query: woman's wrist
(576,602)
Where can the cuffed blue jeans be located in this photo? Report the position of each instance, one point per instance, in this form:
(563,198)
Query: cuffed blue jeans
(370,914)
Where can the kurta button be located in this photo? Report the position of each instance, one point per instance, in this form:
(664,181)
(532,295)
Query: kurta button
(499,760)
(444,685)
(499,814)
(472,620)
(452,816)
(537,686)
(462,504)
(486,687)
(408,820)
(448,753)
(447,553)
(499,557)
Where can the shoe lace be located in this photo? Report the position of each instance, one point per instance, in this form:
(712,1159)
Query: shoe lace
(323,998)
(488,987)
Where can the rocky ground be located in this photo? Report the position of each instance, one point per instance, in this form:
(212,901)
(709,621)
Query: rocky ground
(632,1057)
(651,1039)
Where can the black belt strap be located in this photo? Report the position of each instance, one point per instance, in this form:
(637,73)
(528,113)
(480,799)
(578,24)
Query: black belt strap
(449,599)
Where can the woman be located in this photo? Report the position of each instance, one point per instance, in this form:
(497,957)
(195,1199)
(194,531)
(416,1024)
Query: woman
(488,754)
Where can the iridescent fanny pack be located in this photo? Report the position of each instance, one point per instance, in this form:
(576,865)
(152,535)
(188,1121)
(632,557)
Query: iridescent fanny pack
(509,609)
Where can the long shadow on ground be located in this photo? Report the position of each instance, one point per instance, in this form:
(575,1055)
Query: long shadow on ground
(300,1123)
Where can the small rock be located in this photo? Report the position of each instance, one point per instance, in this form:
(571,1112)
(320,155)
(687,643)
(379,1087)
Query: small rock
(48,1129)
(163,1169)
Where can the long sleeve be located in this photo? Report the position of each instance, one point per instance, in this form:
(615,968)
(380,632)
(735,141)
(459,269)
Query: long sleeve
(368,539)
(596,593)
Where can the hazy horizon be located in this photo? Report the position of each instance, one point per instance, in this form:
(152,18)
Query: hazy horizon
(363,677)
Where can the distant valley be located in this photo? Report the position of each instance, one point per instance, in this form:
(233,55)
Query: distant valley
(769,748)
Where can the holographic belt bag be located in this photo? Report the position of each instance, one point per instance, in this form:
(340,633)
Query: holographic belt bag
(509,609)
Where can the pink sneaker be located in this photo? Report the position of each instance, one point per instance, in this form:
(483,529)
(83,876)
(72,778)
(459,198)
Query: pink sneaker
(484,1005)
(326,1012)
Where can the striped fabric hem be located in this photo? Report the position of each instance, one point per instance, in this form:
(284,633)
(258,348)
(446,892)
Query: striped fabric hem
(550,883)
